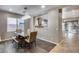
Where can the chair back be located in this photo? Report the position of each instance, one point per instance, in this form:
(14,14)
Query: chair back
(32,36)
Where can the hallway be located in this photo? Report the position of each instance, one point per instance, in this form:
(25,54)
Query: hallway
(70,42)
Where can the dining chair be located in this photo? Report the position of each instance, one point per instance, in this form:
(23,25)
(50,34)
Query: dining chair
(31,39)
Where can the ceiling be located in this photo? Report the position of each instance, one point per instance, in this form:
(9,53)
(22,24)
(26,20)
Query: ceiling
(32,10)
(70,8)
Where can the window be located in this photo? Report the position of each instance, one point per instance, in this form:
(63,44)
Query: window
(21,24)
(11,24)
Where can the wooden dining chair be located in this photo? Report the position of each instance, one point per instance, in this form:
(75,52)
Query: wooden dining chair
(31,39)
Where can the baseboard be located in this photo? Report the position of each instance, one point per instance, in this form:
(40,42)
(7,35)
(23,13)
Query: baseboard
(5,40)
(47,40)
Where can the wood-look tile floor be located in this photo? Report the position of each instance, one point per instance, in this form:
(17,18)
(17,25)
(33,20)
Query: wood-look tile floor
(69,44)
(42,47)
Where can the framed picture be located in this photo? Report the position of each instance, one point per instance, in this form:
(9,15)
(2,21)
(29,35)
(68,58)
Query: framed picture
(40,22)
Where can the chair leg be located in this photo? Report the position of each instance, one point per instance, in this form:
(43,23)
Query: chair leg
(29,45)
(35,43)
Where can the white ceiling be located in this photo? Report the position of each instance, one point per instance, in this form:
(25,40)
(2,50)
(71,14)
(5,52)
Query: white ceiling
(32,10)
(70,8)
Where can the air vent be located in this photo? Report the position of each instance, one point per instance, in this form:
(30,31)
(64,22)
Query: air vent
(60,10)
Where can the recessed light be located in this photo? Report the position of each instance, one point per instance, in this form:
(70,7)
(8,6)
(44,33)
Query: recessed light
(43,6)
(10,9)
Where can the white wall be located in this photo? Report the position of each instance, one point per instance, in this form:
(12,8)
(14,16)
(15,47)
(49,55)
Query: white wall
(50,34)
(26,26)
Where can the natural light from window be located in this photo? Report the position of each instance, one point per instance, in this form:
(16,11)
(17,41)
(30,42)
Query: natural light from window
(11,24)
